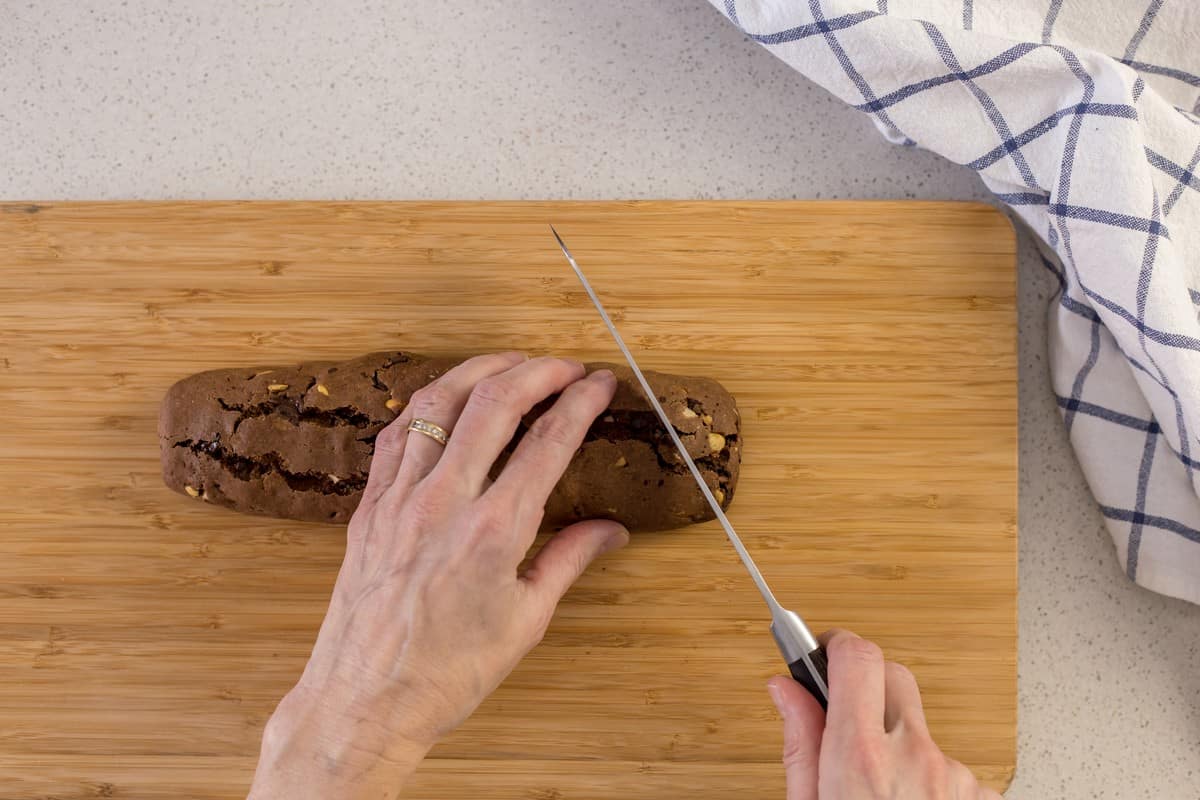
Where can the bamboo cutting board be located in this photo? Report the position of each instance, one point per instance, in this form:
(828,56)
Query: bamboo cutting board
(145,637)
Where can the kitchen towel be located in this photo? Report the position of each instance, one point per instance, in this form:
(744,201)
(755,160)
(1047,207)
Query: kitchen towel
(1081,116)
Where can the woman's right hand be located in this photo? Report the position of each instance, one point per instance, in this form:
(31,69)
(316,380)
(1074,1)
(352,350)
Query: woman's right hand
(873,743)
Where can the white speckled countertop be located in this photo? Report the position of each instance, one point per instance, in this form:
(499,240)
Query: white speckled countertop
(580,99)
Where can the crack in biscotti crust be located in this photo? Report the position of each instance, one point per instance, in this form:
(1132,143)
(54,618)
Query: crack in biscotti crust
(398,358)
(248,469)
(626,425)
(292,410)
(645,426)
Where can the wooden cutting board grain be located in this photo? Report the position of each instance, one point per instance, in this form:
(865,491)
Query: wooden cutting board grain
(145,637)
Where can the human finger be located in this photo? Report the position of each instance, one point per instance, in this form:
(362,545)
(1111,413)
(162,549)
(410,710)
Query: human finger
(385,461)
(493,411)
(856,685)
(565,556)
(902,699)
(441,402)
(803,728)
(546,449)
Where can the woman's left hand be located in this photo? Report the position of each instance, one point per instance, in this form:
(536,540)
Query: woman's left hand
(429,613)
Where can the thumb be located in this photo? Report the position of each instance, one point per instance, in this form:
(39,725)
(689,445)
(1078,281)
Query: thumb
(803,727)
(563,559)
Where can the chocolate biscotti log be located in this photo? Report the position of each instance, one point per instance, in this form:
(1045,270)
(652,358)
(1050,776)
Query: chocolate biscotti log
(297,441)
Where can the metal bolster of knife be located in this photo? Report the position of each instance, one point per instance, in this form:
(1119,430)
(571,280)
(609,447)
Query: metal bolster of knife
(805,657)
(795,640)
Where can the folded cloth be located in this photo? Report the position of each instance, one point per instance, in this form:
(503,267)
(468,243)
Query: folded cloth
(1081,116)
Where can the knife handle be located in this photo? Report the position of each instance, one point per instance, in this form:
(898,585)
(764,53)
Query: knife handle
(802,676)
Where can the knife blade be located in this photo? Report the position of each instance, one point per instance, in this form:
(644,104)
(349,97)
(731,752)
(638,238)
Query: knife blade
(805,657)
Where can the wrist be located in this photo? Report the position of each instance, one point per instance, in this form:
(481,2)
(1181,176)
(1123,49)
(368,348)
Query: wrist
(313,745)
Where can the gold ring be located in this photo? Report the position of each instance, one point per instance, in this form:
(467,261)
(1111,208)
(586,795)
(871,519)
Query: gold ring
(435,432)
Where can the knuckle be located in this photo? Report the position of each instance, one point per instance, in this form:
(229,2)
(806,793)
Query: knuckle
(552,361)
(553,428)
(443,486)
(495,391)
(869,760)
(423,506)
(899,673)
(593,392)
(390,507)
(356,545)
(538,618)
(558,366)
(391,438)
(488,522)
(928,762)
(797,753)
(356,530)
(531,634)
(485,360)
(575,564)
(431,396)
(860,651)
(373,493)
(536,630)
(957,775)
(864,651)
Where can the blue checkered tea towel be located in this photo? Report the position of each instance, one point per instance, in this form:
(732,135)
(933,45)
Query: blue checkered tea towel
(1081,116)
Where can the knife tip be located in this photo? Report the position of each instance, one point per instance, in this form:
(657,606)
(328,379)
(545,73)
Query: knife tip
(558,239)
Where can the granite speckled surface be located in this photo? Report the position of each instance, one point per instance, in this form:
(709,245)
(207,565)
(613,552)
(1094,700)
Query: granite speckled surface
(582,100)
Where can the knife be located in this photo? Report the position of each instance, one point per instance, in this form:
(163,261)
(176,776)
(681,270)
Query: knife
(806,659)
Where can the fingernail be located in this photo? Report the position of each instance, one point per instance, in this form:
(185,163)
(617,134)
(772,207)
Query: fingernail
(602,376)
(517,355)
(615,541)
(777,698)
